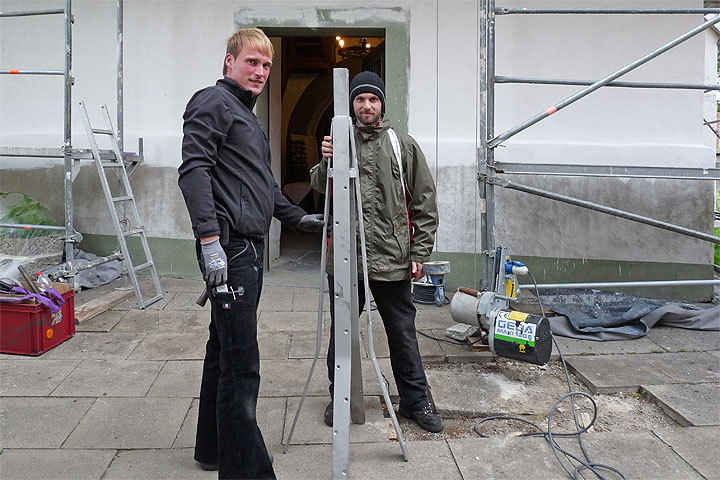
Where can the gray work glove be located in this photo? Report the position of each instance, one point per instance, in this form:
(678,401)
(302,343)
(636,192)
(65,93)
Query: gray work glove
(312,223)
(215,262)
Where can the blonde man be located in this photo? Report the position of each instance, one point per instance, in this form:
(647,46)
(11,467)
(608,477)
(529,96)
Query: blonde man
(231,197)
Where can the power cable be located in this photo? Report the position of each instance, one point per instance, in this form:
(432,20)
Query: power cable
(586,464)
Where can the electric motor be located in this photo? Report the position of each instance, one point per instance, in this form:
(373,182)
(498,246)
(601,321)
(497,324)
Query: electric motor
(520,336)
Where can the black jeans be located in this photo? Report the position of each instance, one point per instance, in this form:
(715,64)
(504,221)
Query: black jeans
(394,304)
(227,431)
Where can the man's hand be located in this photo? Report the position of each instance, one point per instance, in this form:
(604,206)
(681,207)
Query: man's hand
(312,223)
(326,148)
(215,262)
(417,271)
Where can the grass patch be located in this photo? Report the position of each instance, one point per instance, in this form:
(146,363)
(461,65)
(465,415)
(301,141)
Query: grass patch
(716,258)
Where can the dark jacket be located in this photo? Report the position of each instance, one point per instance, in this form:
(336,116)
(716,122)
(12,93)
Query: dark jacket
(385,213)
(225,174)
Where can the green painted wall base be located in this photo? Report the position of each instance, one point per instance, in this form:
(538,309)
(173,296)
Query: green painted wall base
(467,271)
(176,258)
(172,257)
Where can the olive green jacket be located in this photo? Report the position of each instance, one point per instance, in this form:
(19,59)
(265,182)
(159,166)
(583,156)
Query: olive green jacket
(385,215)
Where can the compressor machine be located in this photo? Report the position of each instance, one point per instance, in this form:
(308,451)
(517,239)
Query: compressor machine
(511,334)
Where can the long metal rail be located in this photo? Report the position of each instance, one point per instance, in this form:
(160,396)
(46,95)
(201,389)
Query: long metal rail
(560,81)
(603,11)
(660,283)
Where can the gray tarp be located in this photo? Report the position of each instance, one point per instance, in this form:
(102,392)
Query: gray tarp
(602,316)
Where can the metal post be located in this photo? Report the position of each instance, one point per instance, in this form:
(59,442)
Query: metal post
(67,148)
(488,202)
(600,83)
(120,123)
(345,255)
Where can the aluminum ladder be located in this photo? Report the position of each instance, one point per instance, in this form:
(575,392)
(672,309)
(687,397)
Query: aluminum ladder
(124,228)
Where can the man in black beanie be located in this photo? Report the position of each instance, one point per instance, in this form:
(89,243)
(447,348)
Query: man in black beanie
(400,218)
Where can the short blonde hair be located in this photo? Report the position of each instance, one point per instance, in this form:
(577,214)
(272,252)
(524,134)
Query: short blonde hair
(248,37)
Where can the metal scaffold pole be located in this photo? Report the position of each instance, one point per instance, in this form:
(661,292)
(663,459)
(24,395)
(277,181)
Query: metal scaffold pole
(67,149)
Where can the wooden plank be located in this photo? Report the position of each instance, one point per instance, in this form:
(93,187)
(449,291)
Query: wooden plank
(93,308)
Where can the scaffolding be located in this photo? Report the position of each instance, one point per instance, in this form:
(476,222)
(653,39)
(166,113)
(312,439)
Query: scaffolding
(489,170)
(71,156)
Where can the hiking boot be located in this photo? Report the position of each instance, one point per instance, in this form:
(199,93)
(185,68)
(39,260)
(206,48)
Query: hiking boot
(329,414)
(425,418)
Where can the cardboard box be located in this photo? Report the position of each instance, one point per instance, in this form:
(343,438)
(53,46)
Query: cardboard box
(28,327)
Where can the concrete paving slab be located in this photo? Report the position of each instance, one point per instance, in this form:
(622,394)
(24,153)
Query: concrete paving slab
(286,378)
(432,317)
(39,422)
(178,378)
(170,346)
(685,442)
(684,340)
(185,302)
(113,378)
(306,300)
(574,346)
(138,321)
(273,321)
(430,350)
(461,353)
(130,423)
(302,345)
(274,345)
(106,346)
(715,353)
(186,436)
(617,373)
(637,454)
(21,378)
(131,303)
(688,404)
(166,463)
(311,428)
(472,393)
(270,415)
(500,457)
(371,461)
(102,323)
(185,322)
(275,299)
(688,367)
(43,464)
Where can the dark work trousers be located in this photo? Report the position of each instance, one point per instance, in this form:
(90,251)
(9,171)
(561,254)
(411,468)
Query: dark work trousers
(394,304)
(227,431)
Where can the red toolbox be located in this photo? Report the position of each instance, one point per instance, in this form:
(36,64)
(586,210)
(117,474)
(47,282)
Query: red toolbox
(28,328)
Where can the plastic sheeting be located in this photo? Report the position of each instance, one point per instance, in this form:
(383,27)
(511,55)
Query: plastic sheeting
(604,316)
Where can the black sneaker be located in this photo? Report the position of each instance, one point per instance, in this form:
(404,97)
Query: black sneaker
(329,414)
(425,418)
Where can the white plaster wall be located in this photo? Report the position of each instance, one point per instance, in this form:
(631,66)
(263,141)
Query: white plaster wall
(174,48)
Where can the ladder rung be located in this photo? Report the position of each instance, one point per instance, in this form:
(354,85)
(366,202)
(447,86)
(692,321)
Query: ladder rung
(144,265)
(111,164)
(122,199)
(102,131)
(152,300)
(134,231)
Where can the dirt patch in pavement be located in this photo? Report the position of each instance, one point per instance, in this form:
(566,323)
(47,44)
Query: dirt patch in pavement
(542,387)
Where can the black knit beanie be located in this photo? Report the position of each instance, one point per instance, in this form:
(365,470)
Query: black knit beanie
(367,82)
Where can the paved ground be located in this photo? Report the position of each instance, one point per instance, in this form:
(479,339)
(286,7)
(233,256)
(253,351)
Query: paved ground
(119,400)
